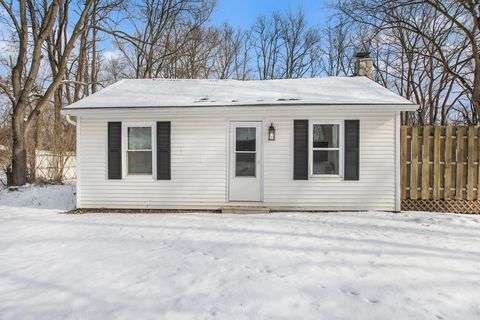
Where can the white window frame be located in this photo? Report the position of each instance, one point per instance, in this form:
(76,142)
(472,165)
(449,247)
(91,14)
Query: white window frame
(340,148)
(255,176)
(125,126)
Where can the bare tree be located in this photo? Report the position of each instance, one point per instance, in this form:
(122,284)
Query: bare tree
(114,69)
(465,17)
(298,41)
(196,59)
(243,68)
(230,52)
(338,49)
(448,35)
(267,43)
(33,24)
(157,26)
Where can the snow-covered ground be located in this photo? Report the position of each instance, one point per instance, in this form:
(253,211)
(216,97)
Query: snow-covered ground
(371,265)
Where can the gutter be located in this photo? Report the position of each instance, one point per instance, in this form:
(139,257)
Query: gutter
(411,106)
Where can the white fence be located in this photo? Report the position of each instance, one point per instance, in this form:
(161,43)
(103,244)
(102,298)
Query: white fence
(49,165)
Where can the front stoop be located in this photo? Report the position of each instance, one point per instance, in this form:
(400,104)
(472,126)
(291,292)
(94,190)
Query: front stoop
(245,210)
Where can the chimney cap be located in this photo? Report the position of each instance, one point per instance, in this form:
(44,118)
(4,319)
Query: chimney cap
(362,54)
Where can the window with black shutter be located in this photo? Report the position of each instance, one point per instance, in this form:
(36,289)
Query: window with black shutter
(114,150)
(334,149)
(352,150)
(163,150)
(300,150)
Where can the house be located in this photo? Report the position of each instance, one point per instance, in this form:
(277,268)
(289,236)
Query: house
(299,144)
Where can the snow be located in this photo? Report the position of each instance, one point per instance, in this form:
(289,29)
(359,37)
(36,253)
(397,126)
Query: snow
(197,93)
(59,197)
(363,265)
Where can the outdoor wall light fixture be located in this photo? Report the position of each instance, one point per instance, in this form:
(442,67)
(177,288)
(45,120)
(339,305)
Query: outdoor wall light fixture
(271,132)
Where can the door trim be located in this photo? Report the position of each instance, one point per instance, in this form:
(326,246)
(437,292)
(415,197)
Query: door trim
(228,156)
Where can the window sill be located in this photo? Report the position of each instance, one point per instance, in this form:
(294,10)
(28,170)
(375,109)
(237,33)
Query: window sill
(139,177)
(326,176)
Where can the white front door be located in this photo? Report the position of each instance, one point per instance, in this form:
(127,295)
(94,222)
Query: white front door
(245,175)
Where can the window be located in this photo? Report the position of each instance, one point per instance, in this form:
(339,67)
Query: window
(326,144)
(139,150)
(245,152)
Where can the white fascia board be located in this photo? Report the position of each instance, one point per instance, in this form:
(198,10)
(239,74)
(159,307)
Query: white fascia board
(353,107)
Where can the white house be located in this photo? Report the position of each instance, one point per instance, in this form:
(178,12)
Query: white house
(305,144)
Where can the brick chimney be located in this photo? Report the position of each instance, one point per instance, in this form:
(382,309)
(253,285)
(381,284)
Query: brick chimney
(363,65)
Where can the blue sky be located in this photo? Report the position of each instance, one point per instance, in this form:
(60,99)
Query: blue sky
(242,13)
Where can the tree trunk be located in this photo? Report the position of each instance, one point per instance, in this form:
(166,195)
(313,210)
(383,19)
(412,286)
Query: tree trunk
(19,150)
(476,92)
(59,132)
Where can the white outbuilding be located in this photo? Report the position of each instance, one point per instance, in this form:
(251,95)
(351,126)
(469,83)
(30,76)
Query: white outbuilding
(297,144)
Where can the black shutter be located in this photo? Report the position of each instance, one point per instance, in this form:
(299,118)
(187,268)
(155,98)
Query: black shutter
(163,150)
(114,150)
(300,150)
(352,150)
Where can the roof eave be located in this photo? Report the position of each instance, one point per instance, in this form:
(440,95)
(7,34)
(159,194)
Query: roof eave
(395,106)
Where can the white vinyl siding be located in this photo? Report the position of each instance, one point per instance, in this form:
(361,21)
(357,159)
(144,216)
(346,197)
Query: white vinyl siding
(199,155)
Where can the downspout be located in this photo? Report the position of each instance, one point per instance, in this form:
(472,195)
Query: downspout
(398,183)
(77,160)
(69,120)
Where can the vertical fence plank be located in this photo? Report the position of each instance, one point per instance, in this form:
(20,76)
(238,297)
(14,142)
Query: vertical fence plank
(426,163)
(414,165)
(460,159)
(472,150)
(448,164)
(437,170)
(403,161)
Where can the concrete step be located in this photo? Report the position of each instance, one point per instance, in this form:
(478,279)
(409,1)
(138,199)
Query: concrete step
(245,209)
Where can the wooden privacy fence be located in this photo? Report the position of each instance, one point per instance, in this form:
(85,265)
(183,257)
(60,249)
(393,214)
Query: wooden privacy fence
(440,168)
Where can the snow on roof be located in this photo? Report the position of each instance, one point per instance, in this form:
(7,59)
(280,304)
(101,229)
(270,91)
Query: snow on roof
(135,93)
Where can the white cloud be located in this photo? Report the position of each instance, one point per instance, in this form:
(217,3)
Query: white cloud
(111,54)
